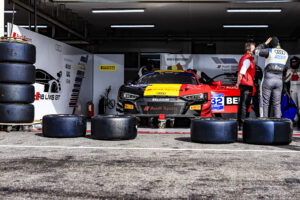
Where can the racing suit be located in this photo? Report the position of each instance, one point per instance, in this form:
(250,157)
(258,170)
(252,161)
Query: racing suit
(294,77)
(272,83)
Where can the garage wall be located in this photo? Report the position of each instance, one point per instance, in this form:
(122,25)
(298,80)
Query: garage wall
(102,79)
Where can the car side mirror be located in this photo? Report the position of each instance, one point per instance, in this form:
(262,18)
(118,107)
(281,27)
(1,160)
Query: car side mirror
(217,83)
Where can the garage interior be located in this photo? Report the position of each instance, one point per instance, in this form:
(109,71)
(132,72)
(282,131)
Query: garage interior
(86,49)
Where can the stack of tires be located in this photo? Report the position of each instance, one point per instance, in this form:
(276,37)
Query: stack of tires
(17,74)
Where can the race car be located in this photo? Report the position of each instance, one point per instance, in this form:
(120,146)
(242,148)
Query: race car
(176,95)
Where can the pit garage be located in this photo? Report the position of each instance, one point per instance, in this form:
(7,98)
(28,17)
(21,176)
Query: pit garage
(140,99)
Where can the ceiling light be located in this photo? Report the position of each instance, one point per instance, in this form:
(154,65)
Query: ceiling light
(119,11)
(253,10)
(10,11)
(245,26)
(132,26)
(32,26)
(263,1)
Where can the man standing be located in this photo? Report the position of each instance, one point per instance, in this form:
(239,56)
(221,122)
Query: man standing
(256,98)
(245,82)
(272,83)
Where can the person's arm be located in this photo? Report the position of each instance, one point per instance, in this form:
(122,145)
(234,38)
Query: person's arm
(245,67)
(240,76)
(262,49)
(288,76)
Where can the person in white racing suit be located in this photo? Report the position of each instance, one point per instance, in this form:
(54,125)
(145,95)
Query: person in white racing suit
(293,75)
(272,83)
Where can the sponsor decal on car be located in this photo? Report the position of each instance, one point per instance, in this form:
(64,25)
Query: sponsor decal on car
(163,90)
(217,101)
(160,99)
(232,101)
(128,106)
(195,107)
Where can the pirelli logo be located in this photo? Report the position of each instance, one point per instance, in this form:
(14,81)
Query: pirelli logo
(108,67)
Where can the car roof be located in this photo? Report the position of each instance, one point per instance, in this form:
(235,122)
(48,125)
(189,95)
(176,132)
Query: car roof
(172,71)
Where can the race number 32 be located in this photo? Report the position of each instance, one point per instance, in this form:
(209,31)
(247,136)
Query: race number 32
(217,102)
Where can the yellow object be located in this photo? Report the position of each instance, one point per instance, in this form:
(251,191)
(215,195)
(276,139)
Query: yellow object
(163,90)
(195,107)
(108,67)
(128,106)
(169,71)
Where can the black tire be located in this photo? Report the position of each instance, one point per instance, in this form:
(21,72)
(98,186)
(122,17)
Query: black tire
(16,113)
(269,131)
(16,93)
(17,52)
(17,73)
(64,126)
(113,127)
(214,130)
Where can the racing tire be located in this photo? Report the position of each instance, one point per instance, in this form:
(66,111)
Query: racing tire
(269,131)
(214,130)
(113,127)
(16,113)
(17,52)
(16,93)
(17,73)
(64,126)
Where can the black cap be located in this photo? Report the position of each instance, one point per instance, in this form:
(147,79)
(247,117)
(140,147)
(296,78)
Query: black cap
(274,42)
(296,62)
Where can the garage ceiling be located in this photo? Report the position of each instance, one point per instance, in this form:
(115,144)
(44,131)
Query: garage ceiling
(185,20)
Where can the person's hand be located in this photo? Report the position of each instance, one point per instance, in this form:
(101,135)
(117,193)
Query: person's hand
(237,85)
(268,40)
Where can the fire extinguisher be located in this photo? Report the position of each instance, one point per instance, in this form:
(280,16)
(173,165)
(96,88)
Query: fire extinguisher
(90,106)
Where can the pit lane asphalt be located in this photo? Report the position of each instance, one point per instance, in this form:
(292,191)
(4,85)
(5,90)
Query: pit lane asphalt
(153,166)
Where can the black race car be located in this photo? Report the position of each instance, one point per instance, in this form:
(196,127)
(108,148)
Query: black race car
(166,94)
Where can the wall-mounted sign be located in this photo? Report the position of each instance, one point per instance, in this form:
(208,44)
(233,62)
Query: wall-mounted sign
(108,67)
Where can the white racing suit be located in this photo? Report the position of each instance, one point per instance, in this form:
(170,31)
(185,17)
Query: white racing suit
(294,77)
(272,83)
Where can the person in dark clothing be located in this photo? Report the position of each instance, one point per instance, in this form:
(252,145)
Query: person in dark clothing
(149,68)
(272,83)
(256,98)
(245,82)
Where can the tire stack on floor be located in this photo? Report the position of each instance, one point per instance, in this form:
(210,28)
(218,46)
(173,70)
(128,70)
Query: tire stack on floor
(113,127)
(64,126)
(269,131)
(214,130)
(17,74)
(264,131)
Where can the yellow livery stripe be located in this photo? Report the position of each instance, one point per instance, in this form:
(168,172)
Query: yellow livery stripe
(163,90)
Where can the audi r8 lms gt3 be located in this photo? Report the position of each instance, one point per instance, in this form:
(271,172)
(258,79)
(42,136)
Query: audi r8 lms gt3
(177,95)
(174,94)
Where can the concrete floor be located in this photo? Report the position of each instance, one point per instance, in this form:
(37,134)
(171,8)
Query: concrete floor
(153,166)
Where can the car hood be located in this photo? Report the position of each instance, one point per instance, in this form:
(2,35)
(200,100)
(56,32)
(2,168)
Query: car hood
(166,89)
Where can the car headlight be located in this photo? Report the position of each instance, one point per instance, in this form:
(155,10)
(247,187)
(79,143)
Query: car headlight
(196,97)
(129,96)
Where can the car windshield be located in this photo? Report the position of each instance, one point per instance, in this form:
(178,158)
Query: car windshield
(168,78)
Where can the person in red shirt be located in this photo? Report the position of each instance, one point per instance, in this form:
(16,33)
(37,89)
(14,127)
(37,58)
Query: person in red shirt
(245,82)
